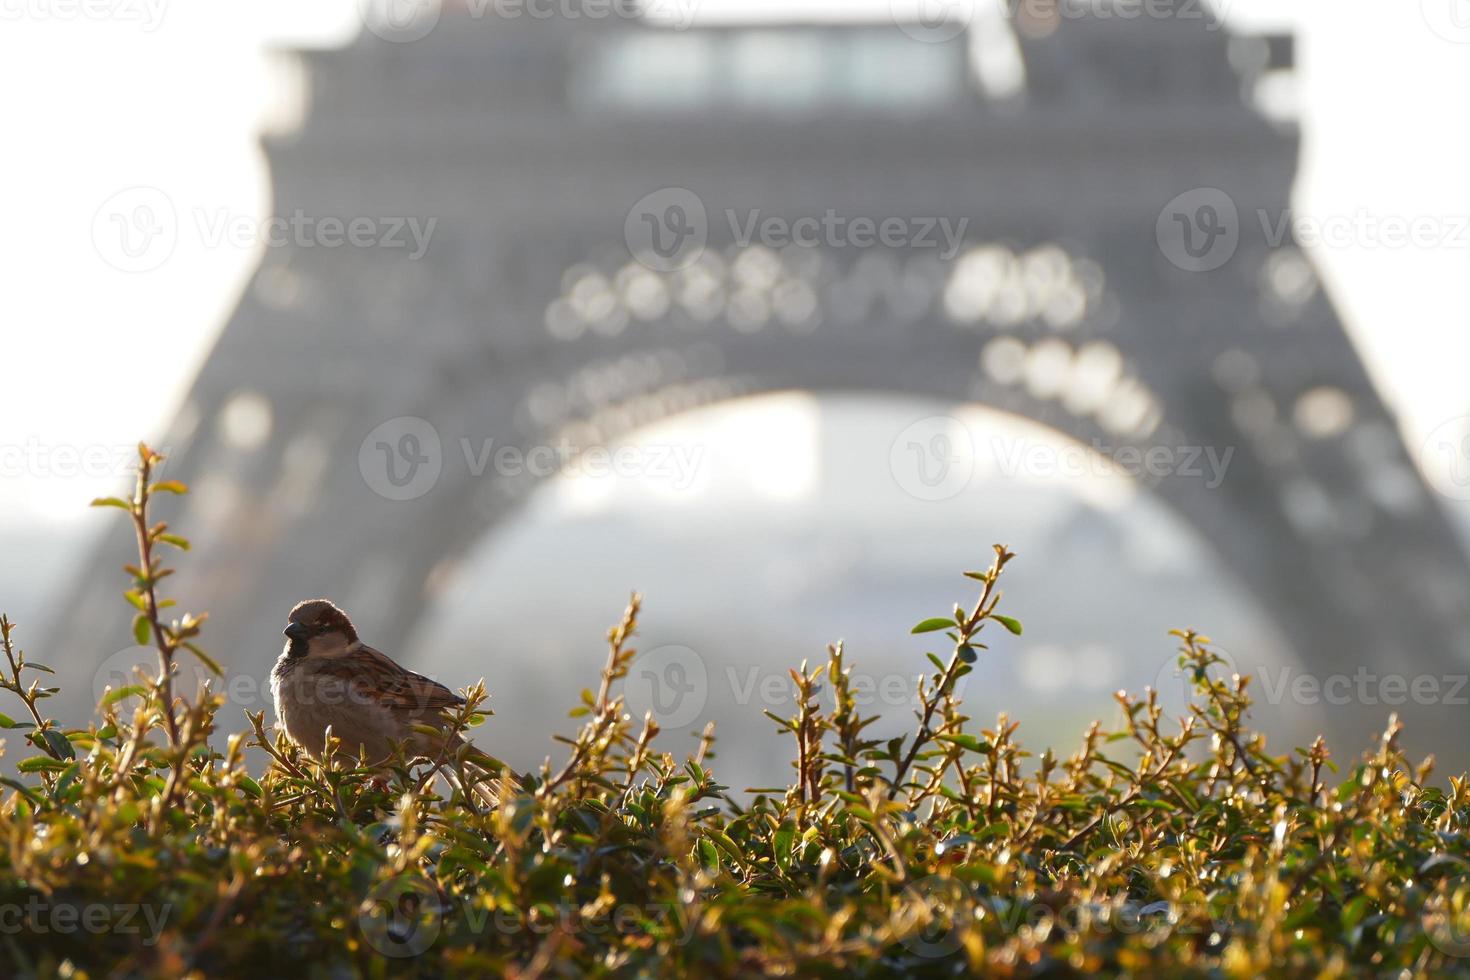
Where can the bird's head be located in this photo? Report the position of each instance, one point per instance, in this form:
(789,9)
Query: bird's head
(317,626)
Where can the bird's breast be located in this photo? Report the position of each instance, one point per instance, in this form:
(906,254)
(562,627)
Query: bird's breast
(308,702)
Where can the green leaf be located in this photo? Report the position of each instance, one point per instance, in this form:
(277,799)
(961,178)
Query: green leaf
(1355,909)
(168,486)
(1000,828)
(945,846)
(57,742)
(114,696)
(111,502)
(142,630)
(723,841)
(21,788)
(1010,623)
(1302,914)
(1442,859)
(42,763)
(782,843)
(178,541)
(205,659)
(933,625)
(965,742)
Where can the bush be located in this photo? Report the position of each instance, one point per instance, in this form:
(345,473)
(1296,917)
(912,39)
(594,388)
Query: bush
(133,846)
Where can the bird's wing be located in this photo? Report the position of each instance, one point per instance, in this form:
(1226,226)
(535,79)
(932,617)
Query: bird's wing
(394,686)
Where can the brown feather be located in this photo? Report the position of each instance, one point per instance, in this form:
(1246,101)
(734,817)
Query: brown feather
(391,685)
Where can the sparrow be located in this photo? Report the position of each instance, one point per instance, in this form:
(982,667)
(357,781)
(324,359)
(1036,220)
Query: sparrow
(328,678)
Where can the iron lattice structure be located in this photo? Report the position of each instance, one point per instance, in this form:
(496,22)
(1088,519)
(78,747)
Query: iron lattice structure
(528,320)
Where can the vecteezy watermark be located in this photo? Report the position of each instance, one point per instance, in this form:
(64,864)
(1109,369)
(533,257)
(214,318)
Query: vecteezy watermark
(1200,229)
(400,20)
(1287,684)
(412,20)
(934,459)
(674,684)
(96,461)
(129,666)
(937,21)
(1213,14)
(678,464)
(934,21)
(669,683)
(147,14)
(1177,683)
(130,669)
(934,913)
(1445,916)
(1364,229)
(670,228)
(301,230)
(1362,687)
(834,230)
(138,230)
(41,916)
(1449,19)
(403,459)
(1445,458)
(676,14)
(1018,457)
(402,916)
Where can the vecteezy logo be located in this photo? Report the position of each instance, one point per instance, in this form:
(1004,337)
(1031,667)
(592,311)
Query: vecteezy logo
(401,459)
(667,230)
(938,907)
(130,665)
(399,20)
(669,681)
(135,230)
(1199,230)
(1446,458)
(401,917)
(1176,682)
(1450,19)
(934,458)
(932,21)
(1445,916)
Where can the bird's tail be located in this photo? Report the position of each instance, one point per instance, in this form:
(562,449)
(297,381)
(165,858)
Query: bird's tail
(479,785)
(487,776)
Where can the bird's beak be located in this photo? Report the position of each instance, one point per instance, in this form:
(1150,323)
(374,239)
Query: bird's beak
(295,631)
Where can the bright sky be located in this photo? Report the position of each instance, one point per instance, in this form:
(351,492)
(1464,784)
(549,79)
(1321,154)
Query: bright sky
(169,94)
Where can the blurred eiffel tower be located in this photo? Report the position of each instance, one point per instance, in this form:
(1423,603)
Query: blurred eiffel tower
(1113,285)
